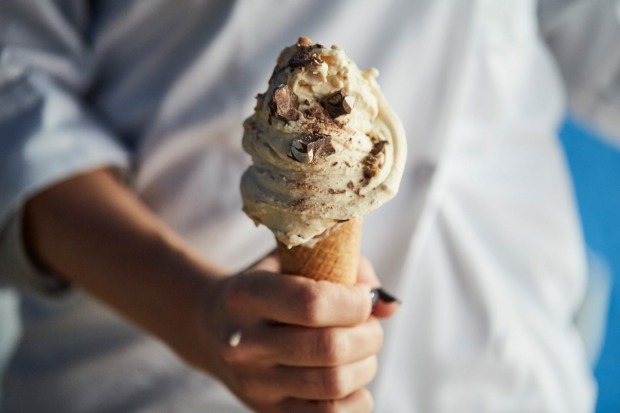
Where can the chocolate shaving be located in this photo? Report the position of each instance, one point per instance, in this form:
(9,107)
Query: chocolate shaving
(315,119)
(337,104)
(284,103)
(378,147)
(371,166)
(333,191)
(304,57)
(312,112)
(309,148)
(300,204)
(304,185)
(350,185)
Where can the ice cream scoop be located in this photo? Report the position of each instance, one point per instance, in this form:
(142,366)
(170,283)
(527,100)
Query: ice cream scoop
(326,149)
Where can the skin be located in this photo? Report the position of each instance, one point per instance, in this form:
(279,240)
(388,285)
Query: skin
(296,353)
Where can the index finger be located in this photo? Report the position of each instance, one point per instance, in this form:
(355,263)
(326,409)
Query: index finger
(300,301)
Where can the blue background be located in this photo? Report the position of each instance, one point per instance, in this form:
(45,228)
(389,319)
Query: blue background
(595,166)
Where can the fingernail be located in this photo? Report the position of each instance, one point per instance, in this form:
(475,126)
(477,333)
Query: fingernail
(374,297)
(234,339)
(377,294)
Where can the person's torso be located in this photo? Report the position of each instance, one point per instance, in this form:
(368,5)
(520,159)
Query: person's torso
(479,100)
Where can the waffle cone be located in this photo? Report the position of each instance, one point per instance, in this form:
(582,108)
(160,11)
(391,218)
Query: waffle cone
(334,258)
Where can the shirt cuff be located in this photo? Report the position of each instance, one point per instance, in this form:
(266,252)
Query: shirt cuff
(17,268)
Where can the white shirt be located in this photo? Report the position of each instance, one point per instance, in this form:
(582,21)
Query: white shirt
(482,243)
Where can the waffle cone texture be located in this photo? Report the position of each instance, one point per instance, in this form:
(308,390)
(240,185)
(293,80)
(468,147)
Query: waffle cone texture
(335,258)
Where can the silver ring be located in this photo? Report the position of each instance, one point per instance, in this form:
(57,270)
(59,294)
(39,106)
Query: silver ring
(235,339)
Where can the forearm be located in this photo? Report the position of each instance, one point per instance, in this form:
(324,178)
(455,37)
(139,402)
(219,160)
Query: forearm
(95,233)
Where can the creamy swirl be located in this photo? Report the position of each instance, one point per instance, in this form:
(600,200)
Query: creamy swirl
(326,147)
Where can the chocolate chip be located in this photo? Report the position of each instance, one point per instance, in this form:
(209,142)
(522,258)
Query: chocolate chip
(337,104)
(284,103)
(304,185)
(321,145)
(309,148)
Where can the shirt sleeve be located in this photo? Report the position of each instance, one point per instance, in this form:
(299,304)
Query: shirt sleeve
(16,268)
(47,133)
(584,38)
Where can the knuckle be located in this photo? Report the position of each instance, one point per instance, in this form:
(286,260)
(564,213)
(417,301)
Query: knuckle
(334,383)
(237,295)
(330,346)
(311,304)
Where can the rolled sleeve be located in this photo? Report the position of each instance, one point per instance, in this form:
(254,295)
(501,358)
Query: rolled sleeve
(47,133)
(46,138)
(18,270)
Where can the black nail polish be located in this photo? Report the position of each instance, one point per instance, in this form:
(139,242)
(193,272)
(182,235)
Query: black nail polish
(377,294)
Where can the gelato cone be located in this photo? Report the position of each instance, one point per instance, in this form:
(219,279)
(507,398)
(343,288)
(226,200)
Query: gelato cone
(335,257)
(326,150)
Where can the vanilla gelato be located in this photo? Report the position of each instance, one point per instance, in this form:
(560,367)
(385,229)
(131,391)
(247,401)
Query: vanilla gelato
(326,147)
